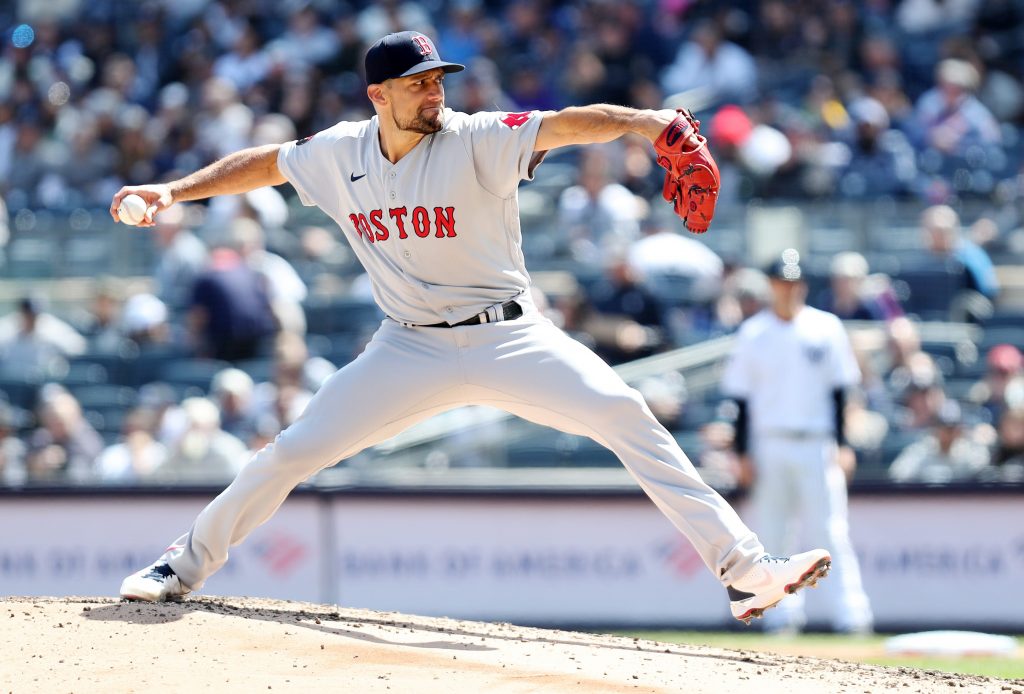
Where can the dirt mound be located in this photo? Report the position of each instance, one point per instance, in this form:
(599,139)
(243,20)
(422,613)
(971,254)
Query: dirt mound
(248,645)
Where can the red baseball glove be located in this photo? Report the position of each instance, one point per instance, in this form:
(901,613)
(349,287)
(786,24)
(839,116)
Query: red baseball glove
(691,184)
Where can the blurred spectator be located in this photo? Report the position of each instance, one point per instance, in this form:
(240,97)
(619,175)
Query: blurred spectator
(168,417)
(245,64)
(944,238)
(1008,459)
(846,296)
(882,161)
(597,214)
(285,288)
(322,257)
(182,257)
(12,449)
(949,116)
(232,391)
(204,452)
(902,342)
(458,38)
(28,150)
(710,70)
(868,348)
(622,315)
(102,327)
(231,317)
(285,396)
(1002,364)
(387,16)
(924,16)
(65,446)
(745,292)
(35,343)
(944,455)
(223,123)
(920,386)
(663,251)
(144,320)
(136,457)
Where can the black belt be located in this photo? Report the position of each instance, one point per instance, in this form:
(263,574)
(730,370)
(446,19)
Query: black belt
(510,311)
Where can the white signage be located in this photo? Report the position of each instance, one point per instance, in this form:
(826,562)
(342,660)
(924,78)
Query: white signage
(927,562)
(596,561)
(87,545)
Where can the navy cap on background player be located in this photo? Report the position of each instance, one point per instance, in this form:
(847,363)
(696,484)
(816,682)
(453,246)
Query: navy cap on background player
(402,54)
(786,267)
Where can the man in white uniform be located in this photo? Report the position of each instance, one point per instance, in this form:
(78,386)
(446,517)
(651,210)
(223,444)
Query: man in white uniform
(427,197)
(789,370)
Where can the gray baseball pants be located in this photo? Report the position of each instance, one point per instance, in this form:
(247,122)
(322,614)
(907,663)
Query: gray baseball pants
(525,366)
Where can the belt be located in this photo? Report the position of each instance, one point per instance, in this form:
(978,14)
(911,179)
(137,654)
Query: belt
(796,435)
(510,310)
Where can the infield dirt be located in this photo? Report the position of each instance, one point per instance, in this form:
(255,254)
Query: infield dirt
(248,645)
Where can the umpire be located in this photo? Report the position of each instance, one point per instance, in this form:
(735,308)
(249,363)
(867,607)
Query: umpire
(788,372)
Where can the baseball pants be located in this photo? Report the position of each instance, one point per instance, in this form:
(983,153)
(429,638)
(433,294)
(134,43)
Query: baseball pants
(525,366)
(800,494)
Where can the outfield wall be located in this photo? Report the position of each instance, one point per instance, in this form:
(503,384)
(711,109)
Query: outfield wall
(605,559)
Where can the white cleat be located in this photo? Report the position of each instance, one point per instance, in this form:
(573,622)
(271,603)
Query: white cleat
(772,579)
(155,583)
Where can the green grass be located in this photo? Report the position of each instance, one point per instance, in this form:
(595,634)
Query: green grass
(861,649)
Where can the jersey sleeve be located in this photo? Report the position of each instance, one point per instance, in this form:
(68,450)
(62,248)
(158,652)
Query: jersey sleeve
(845,372)
(306,164)
(737,379)
(502,148)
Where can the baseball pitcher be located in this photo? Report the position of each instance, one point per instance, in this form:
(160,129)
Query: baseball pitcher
(427,198)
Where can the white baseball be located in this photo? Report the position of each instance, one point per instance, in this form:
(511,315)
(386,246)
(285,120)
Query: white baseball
(132,209)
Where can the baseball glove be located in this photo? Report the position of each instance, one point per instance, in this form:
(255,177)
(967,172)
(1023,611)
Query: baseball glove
(691,184)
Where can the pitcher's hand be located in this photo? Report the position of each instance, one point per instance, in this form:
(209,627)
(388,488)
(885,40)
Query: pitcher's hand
(158,197)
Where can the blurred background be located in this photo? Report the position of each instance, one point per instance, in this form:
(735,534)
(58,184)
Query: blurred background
(881,139)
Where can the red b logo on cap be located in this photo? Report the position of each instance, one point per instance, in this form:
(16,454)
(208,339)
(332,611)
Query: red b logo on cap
(424,44)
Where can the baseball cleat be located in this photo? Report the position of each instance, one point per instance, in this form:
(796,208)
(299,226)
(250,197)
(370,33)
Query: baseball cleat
(772,579)
(155,583)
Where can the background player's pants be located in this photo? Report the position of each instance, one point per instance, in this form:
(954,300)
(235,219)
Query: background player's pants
(800,496)
(527,367)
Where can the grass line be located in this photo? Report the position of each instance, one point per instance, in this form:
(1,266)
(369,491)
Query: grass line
(859,649)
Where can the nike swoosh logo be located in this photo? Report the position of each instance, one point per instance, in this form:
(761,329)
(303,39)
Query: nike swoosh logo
(355,178)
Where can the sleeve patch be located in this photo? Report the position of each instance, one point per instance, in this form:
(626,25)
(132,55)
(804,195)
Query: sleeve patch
(514,120)
(307,138)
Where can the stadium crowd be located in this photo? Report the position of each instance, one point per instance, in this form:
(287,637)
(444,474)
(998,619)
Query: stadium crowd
(250,304)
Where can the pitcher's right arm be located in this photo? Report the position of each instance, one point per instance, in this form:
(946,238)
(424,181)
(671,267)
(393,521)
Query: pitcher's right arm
(236,173)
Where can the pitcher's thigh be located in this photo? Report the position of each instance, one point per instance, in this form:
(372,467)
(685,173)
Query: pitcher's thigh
(546,376)
(386,389)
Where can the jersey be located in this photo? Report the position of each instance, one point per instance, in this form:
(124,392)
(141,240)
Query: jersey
(787,371)
(438,232)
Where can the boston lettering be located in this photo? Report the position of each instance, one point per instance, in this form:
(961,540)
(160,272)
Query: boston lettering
(420,222)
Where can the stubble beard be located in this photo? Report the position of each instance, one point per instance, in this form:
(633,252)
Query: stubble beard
(424,125)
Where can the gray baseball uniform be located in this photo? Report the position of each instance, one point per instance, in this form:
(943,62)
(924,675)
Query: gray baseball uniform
(439,236)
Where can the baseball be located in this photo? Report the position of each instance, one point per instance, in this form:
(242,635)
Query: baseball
(132,209)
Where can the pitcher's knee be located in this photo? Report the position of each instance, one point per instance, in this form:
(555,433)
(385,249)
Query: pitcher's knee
(293,455)
(626,406)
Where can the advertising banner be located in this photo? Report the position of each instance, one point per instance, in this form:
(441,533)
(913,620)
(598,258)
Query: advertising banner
(87,545)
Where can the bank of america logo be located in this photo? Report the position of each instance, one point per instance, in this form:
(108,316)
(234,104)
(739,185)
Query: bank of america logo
(280,553)
(680,557)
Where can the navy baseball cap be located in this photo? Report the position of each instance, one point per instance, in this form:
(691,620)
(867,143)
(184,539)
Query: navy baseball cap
(402,54)
(786,267)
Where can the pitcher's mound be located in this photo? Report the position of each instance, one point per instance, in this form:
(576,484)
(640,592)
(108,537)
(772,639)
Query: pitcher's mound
(249,645)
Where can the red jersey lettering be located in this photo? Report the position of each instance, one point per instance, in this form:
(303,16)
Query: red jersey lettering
(398,215)
(421,222)
(382,231)
(444,220)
